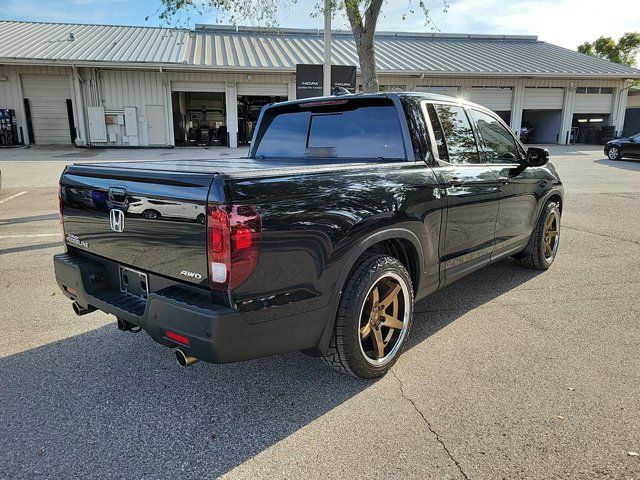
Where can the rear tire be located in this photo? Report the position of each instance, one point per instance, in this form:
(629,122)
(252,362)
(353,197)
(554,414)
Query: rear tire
(151,214)
(373,320)
(544,242)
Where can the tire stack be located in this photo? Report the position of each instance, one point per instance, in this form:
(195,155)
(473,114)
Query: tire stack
(608,133)
(593,135)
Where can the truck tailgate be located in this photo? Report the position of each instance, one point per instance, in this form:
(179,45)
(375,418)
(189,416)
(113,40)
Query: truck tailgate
(148,218)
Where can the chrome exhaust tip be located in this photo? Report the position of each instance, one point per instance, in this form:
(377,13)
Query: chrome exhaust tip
(183,359)
(80,310)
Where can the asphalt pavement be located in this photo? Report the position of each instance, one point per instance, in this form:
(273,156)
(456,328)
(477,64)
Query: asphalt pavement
(510,373)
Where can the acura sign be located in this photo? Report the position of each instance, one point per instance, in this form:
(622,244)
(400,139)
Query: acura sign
(309,79)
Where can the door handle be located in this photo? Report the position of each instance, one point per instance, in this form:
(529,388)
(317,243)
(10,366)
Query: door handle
(455,181)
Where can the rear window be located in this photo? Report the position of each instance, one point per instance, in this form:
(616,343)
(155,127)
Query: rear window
(367,129)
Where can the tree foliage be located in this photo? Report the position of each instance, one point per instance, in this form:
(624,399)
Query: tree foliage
(362,16)
(624,51)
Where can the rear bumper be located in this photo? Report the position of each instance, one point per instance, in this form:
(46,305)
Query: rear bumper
(216,333)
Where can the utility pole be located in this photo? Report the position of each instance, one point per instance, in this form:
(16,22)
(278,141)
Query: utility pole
(326,89)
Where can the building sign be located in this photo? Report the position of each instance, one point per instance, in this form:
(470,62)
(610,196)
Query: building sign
(343,76)
(309,79)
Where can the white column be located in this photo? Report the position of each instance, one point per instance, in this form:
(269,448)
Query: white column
(619,108)
(567,115)
(21,114)
(291,88)
(517,106)
(79,110)
(231,100)
(171,136)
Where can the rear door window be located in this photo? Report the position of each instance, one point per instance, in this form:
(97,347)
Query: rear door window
(443,153)
(350,131)
(458,134)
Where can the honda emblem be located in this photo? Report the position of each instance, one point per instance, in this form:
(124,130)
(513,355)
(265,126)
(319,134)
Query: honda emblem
(116,219)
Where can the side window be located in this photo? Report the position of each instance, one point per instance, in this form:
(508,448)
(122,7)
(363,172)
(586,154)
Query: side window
(498,144)
(438,133)
(459,138)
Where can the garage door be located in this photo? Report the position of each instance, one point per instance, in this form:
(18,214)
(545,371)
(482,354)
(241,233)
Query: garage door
(540,98)
(197,87)
(47,95)
(263,89)
(441,90)
(592,102)
(496,98)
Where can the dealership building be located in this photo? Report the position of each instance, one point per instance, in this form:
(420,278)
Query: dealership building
(103,85)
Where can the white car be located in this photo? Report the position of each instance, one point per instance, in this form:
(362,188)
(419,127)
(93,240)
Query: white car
(154,209)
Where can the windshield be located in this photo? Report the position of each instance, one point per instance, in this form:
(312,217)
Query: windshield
(341,129)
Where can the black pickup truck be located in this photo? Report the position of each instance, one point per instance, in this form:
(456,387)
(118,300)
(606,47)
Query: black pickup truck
(347,210)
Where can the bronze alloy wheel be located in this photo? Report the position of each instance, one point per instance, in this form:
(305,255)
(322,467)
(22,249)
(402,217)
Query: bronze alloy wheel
(384,319)
(551,236)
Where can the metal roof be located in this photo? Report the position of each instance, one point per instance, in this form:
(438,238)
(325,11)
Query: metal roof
(244,48)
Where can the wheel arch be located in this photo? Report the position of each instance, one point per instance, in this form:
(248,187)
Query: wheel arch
(557,198)
(397,242)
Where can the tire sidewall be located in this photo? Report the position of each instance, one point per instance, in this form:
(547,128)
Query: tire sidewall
(367,275)
(551,207)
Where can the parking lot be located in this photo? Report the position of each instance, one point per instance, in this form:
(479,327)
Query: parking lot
(510,373)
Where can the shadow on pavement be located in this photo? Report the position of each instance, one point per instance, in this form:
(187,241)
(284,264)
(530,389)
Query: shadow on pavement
(33,218)
(107,403)
(28,248)
(626,164)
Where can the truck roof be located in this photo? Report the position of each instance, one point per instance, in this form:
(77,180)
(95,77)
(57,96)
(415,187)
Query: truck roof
(424,95)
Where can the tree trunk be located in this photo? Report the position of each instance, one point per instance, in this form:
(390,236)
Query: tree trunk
(363,33)
(367,57)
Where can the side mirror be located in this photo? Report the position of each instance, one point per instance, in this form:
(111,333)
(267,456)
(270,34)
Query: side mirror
(632,140)
(536,157)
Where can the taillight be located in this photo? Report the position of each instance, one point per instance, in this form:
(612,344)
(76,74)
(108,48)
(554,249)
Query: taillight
(233,236)
(60,203)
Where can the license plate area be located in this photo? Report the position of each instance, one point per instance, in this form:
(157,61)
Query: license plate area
(134,283)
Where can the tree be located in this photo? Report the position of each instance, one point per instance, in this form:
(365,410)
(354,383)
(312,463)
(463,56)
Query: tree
(624,51)
(362,16)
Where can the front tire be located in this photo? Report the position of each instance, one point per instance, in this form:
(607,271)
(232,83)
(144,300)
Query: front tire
(614,153)
(545,240)
(374,318)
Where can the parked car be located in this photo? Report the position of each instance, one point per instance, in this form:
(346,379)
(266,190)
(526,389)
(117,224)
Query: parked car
(154,209)
(623,147)
(347,211)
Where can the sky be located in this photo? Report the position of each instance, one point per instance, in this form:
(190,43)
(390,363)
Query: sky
(563,22)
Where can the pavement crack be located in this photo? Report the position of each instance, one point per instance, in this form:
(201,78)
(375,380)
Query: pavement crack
(614,237)
(429,426)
